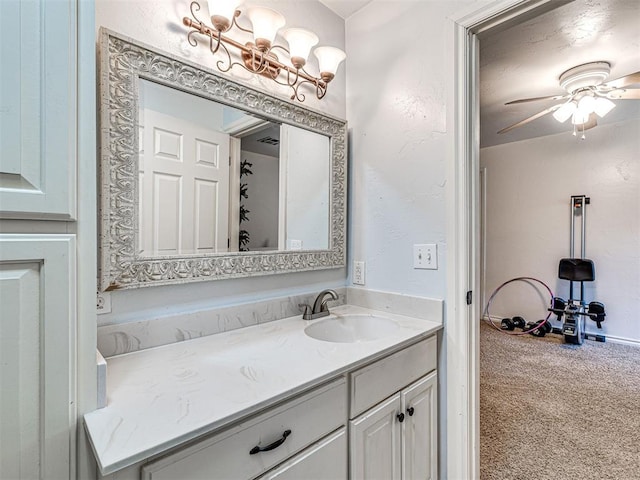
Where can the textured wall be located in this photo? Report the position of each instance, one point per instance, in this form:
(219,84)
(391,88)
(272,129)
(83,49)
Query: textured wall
(159,23)
(529,184)
(396,107)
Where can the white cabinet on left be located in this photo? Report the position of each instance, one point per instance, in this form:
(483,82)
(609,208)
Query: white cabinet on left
(37,344)
(38,118)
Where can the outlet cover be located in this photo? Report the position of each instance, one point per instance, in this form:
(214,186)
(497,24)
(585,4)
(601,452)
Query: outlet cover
(103,302)
(358,273)
(425,256)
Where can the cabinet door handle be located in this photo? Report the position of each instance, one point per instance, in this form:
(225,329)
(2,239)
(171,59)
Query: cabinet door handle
(400,417)
(276,444)
(410,411)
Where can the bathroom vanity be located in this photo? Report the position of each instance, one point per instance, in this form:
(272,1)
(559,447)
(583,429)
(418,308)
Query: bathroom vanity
(272,401)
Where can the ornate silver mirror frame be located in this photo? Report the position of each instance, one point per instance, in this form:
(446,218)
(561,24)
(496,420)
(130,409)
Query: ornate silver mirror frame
(122,62)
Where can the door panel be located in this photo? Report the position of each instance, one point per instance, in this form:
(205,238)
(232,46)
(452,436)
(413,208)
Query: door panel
(184,183)
(419,402)
(375,443)
(37,325)
(37,109)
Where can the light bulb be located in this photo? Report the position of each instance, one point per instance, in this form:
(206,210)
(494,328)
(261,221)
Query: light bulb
(603,106)
(329,59)
(300,42)
(266,22)
(222,13)
(565,111)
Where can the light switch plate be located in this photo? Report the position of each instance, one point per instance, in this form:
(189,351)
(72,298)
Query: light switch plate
(425,256)
(358,273)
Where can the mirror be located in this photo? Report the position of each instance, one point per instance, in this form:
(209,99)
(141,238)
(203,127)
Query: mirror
(204,178)
(213,178)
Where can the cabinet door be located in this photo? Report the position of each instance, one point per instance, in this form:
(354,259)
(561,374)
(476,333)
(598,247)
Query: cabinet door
(37,325)
(326,459)
(375,442)
(419,446)
(38,42)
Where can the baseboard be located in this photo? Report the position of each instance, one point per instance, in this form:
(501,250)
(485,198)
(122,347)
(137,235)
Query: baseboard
(622,340)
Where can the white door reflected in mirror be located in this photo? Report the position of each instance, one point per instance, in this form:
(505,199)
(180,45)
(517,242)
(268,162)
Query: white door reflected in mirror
(215,179)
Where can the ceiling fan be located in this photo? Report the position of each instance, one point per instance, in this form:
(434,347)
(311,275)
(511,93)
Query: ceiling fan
(587,97)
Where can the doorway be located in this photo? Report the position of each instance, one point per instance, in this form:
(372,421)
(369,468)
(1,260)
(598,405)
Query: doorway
(463,230)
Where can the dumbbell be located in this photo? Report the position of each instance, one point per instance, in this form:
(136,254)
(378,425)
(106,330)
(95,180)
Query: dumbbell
(512,323)
(558,307)
(596,312)
(542,331)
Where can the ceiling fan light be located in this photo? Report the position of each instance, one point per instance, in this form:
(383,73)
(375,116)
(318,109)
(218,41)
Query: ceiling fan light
(586,105)
(603,106)
(565,111)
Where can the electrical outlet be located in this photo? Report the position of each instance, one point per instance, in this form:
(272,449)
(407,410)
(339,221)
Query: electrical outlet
(103,302)
(358,273)
(425,256)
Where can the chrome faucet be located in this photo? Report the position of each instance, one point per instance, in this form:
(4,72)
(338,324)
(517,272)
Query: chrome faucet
(320,308)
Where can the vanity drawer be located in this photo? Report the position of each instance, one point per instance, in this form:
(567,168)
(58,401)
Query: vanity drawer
(226,455)
(373,383)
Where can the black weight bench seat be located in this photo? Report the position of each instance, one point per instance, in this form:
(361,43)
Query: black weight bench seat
(577,270)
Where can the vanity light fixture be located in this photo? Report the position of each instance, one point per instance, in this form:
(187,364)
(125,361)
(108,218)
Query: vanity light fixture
(259,56)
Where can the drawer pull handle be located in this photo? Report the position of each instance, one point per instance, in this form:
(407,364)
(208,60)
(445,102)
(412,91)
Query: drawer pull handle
(400,417)
(410,411)
(274,445)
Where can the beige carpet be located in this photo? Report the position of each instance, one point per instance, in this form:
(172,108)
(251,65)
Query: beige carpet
(549,410)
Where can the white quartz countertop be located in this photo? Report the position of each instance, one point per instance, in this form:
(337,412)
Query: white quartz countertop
(164,396)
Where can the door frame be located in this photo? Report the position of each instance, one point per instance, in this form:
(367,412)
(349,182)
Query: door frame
(461,334)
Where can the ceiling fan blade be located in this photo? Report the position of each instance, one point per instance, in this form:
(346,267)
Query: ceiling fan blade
(622,82)
(624,94)
(530,119)
(535,99)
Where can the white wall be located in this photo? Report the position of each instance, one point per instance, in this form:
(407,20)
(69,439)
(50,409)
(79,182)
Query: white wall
(398,76)
(529,184)
(262,201)
(308,172)
(159,23)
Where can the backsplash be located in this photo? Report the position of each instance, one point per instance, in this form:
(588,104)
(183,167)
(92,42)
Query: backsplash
(130,337)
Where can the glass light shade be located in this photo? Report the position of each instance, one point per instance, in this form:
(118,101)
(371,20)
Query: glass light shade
(586,105)
(603,106)
(266,22)
(565,111)
(223,8)
(329,58)
(300,41)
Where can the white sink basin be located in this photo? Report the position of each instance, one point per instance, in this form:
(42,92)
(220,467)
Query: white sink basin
(351,328)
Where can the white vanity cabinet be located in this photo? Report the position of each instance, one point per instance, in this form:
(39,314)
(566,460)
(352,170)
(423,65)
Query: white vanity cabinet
(326,459)
(251,448)
(397,438)
(375,418)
